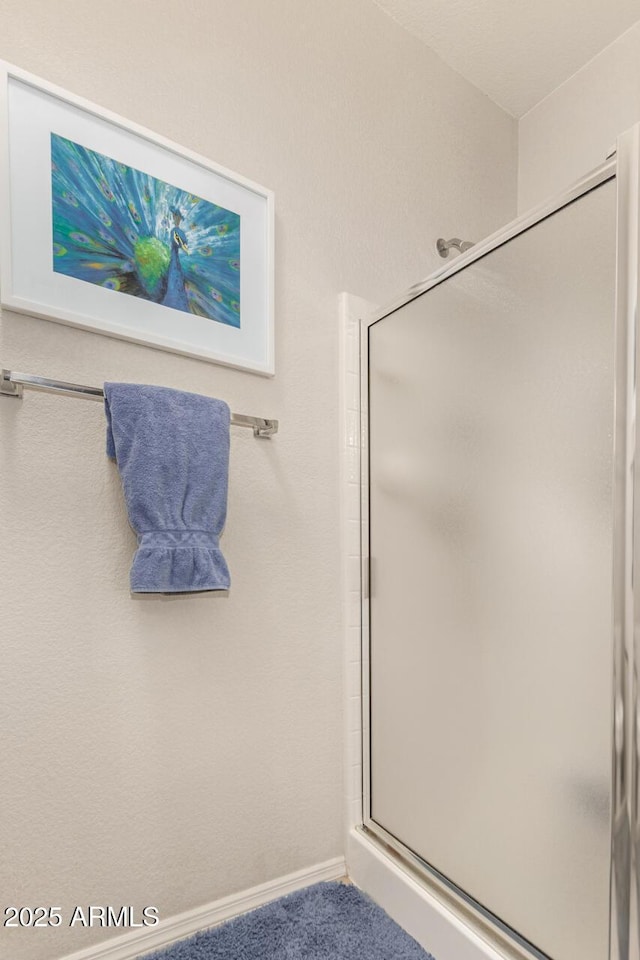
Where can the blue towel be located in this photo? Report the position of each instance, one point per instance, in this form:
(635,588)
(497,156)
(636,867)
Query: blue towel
(172,451)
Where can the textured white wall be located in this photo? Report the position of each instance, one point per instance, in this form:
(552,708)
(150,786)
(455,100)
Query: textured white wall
(515,51)
(571,131)
(173,751)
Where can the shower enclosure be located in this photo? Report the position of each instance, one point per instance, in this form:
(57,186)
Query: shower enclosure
(499,602)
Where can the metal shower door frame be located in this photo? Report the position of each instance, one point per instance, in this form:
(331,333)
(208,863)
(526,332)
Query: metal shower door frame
(624,943)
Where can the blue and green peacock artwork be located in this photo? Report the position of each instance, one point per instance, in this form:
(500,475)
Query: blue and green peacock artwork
(125,230)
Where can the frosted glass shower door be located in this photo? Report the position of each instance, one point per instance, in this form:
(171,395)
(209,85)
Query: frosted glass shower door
(491,427)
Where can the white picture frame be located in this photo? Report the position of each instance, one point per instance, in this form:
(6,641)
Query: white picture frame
(127,207)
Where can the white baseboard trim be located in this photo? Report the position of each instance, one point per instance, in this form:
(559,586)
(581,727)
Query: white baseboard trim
(424,917)
(131,945)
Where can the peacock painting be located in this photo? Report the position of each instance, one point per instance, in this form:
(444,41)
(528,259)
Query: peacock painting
(127,231)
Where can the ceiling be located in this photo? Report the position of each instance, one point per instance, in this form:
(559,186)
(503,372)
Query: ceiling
(516,51)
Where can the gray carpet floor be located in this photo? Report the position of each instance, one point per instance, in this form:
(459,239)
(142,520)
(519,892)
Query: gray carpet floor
(328,921)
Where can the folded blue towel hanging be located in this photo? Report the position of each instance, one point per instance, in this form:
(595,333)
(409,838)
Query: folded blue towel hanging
(172,451)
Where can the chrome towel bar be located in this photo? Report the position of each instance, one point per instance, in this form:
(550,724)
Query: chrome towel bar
(13,383)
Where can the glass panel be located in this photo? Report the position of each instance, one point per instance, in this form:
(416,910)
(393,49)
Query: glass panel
(491,461)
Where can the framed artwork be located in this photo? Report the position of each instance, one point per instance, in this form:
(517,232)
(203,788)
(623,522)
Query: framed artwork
(110,227)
